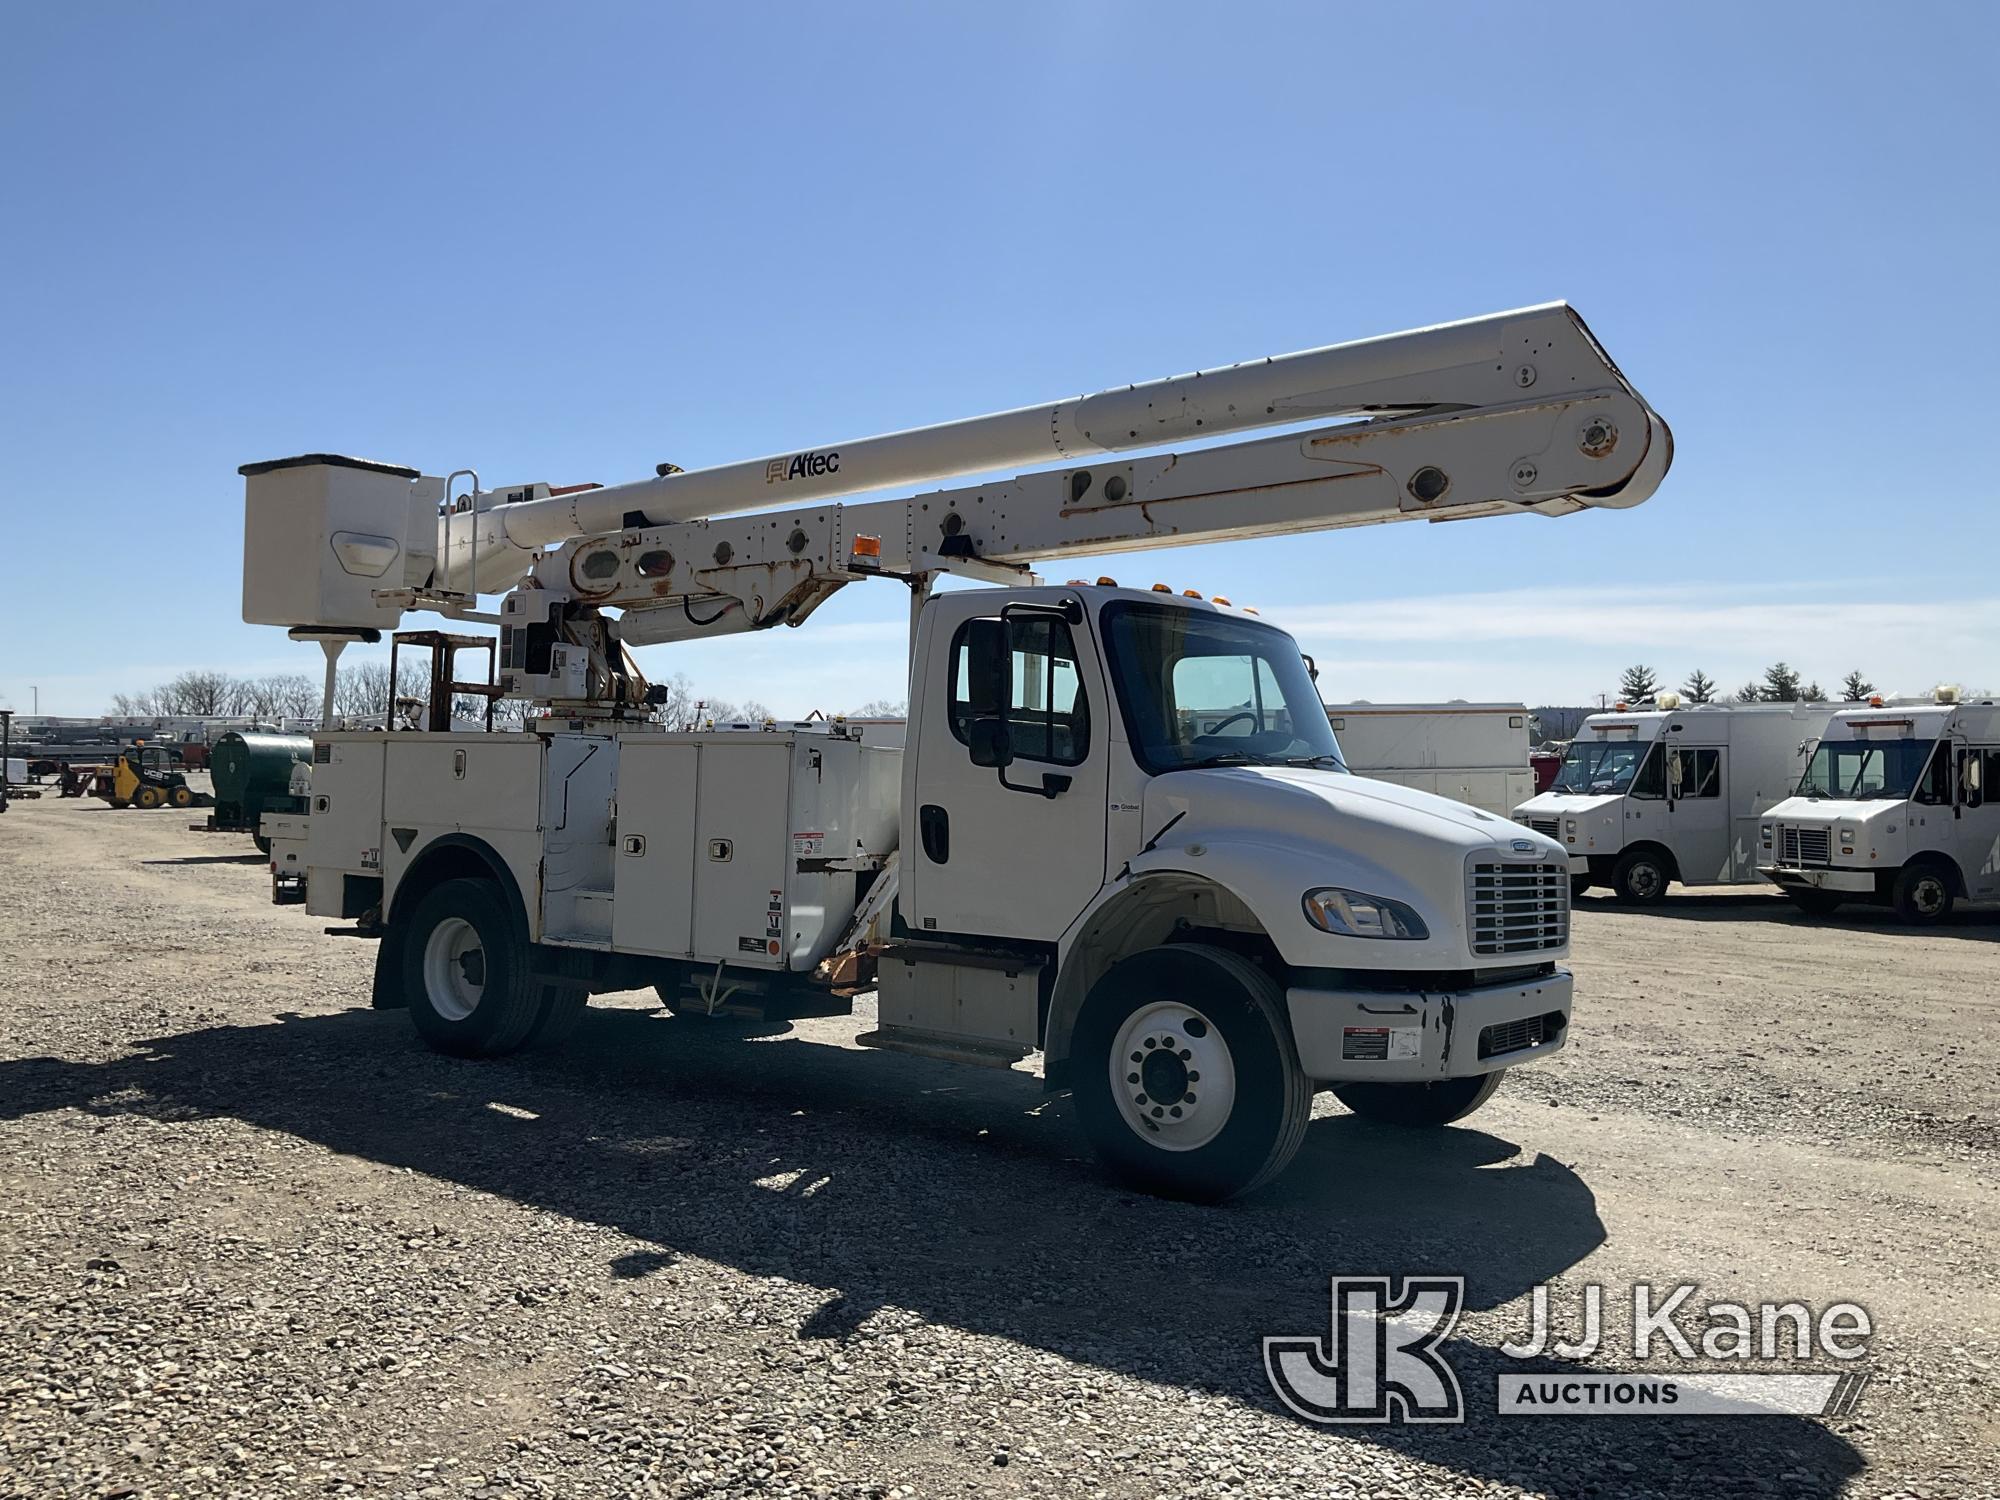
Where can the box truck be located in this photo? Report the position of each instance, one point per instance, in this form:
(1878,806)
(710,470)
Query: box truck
(1475,753)
(1896,807)
(1673,793)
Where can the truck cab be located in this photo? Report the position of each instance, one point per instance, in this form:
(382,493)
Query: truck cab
(1895,808)
(1649,797)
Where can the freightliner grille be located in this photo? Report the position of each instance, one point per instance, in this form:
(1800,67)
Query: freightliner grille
(1518,908)
(1545,825)
(1805,846)
(1513,1036)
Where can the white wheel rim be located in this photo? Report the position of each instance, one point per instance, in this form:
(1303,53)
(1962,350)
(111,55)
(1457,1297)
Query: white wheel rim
(454,968)
(1172,1076)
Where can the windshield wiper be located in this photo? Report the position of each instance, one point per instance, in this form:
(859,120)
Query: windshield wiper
(1309,761)
(1225,758)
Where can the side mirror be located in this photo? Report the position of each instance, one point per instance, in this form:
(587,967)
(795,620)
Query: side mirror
(988,741)
(1676,774)
(988,670)
(1971,778)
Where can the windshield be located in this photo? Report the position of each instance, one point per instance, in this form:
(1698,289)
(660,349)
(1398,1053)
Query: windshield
(1201,689)
(1594,766)
(1865,770)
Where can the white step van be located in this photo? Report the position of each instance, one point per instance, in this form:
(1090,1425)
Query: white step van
(1673,793)
(1895,808)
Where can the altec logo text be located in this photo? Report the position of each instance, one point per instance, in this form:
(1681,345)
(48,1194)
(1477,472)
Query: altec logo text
(801,466)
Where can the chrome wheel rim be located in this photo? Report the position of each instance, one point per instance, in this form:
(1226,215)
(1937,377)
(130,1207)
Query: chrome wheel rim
(1927,895)
(454,969)
(1173,1077)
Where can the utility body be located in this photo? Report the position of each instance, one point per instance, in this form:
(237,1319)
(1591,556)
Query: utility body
(1895,807)
(1475,753)
(1674,793)
(1196,918)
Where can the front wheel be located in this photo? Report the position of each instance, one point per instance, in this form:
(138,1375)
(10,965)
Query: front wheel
(1188,1080)
(1640,878)
(148,797)
(1438,1103)
(1921,895)
(1814,903)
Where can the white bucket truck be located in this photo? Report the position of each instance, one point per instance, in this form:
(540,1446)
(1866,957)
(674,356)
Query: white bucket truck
(1197,924)
(1672,793)
(1475,753)
(1896,807)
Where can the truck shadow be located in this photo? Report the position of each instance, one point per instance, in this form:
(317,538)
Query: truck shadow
(962,1197)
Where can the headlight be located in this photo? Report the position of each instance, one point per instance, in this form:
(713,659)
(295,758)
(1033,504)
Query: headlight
(1847,835)
(1358,914)
(1569,825)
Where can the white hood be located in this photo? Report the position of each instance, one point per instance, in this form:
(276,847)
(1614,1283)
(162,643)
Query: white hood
(1271,833)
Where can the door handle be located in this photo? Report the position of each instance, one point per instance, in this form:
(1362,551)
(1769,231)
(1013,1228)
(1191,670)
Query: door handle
(934,824)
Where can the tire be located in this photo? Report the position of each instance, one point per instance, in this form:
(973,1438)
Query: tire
(263,844)
(1640,878)
(1578,884)
(465,971)
(148,797)
(181,796)
(1815,903)
(1183,1010)
(1922,894)
(1437,1103)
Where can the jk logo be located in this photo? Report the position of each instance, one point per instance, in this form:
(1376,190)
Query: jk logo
(1379,1360)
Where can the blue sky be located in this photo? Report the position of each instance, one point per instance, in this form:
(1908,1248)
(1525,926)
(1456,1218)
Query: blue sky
(565,243)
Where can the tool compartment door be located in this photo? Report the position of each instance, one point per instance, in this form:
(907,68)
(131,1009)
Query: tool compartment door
(742,849)
(653,869)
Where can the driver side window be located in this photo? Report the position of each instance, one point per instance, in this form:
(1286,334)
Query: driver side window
(1651,782)
(1048,716)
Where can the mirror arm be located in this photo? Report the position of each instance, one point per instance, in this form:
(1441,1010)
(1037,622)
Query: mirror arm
(1054,784)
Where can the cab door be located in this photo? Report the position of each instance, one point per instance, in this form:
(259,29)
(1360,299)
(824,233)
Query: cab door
(1698,813)
(1976,834)
(1014,850)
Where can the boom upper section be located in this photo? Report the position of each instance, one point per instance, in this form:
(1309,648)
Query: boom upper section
(1520,411)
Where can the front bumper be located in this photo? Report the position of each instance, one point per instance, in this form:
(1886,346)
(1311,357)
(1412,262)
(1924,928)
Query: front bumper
(1820,878)
(1389,1036)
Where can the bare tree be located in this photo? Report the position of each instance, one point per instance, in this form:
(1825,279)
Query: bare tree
(881,708)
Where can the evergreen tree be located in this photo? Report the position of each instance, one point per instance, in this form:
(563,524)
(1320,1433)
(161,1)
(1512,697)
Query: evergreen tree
(1636,684)
(1854,688)
(1781,684)
(1699,687)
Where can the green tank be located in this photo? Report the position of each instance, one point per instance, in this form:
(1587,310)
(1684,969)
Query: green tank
(252,775)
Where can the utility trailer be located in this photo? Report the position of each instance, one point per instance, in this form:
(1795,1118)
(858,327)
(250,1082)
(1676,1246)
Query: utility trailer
(1673,793)
(1475,753)
(1897,808)
(1196,922)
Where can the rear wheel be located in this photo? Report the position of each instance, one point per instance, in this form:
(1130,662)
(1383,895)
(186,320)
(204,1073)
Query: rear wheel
(1436,1103)
(562,1008)
(263,844)
(1814,903)
(182,797)
(1187,1079)
(1578,884)
(1640,878)
(465,971)
(1922,894)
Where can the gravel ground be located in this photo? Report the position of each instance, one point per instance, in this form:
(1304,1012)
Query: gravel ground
(258,1242)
